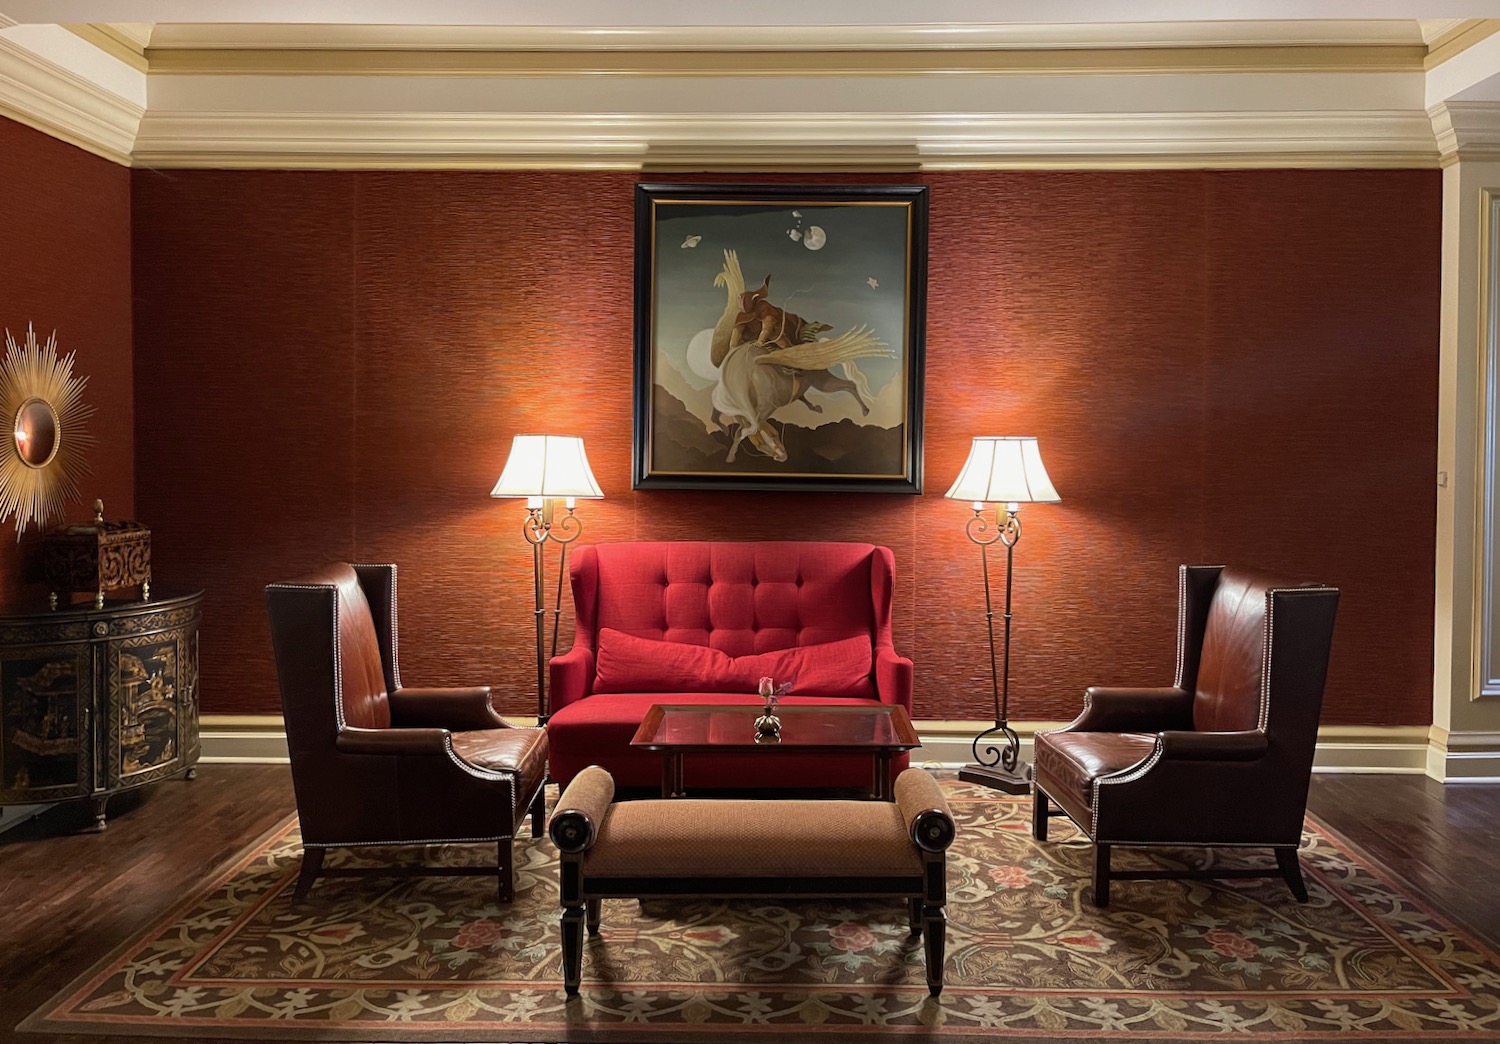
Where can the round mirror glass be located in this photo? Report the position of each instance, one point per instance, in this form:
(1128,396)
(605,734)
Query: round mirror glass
(36,432)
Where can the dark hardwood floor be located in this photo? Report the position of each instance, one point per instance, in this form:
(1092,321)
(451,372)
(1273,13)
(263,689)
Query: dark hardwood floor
(69,898)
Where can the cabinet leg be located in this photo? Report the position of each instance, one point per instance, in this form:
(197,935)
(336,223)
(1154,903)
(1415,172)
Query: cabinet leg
(191,773)
(99,824)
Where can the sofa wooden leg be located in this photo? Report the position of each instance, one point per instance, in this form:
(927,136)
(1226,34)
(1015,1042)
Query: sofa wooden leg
(539,812)
(506,870)
(914,916)
(935,932)
(1101,875)
(312,863)
(593,906)
(572,941)
(1039,813)
(1291,869)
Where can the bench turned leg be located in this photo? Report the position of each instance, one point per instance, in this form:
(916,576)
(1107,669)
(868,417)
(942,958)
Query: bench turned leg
(572,940)
(593,915)
(935,925)
(914,916)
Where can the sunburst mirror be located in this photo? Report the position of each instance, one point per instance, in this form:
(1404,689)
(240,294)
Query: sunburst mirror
(41,466)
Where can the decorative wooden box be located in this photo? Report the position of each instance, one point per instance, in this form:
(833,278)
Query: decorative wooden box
(98,556)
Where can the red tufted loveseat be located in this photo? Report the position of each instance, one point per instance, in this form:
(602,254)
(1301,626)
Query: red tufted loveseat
(808,605)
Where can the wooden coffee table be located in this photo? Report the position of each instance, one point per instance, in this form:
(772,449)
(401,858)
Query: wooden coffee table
(675,729)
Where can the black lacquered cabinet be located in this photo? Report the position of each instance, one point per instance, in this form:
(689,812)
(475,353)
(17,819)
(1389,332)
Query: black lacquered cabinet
(96,701)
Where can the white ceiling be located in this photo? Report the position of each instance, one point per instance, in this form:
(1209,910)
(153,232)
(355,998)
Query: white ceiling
(656,13)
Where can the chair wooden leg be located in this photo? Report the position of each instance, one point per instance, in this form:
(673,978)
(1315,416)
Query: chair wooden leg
(506,870)
(593,908)
(572,941)
(935,932)
(1039,813)
(1101,875)
(312,862)
(539,812)
(914,916)
(1291,869)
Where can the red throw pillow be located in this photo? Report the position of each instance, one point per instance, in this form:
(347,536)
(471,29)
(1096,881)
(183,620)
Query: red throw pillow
(630,664)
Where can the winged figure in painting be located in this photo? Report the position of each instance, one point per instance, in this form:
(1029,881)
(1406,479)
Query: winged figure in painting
(768,357)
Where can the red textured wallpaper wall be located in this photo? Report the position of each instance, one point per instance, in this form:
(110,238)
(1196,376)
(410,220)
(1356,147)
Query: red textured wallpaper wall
(65,266)
(1220,366)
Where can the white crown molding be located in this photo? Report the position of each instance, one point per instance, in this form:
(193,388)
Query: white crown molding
(759,141)
(1031,36)
(1433,30)
(50,98)
(1466,130)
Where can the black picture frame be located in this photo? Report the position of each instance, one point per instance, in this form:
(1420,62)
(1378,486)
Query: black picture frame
(809,379)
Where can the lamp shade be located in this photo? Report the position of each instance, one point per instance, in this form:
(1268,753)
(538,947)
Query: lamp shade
(547,466)
(1004,469)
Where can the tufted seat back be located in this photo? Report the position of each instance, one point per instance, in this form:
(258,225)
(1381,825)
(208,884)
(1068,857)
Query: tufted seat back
(738,598)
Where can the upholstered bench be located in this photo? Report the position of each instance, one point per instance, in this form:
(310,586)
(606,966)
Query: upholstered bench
(689,848)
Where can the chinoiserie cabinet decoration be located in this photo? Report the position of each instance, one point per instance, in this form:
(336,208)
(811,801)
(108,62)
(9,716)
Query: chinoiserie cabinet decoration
(94,701)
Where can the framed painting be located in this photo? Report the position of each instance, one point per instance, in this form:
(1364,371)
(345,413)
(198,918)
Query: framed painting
(779,337)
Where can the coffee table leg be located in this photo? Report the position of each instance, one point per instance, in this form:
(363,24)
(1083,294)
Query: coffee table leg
(671,776)
(883,788)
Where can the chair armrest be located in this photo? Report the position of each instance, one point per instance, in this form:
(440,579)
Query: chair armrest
(581,810)
(1213,746)
(925,810)
(893,677)
(458,710)
(392,741)
(572,677)
(1133,710)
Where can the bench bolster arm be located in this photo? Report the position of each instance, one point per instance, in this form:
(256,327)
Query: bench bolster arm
(925,810)
(581,810)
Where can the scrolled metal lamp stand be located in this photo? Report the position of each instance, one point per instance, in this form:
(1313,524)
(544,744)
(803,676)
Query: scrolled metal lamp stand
(538,529)
(997,767)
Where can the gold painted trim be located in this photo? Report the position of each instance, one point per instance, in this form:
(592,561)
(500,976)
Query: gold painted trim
(113,42)
(1483,411)
(333,61)
(1458,40)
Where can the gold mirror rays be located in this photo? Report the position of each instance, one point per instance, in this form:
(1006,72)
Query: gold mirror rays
(43,402)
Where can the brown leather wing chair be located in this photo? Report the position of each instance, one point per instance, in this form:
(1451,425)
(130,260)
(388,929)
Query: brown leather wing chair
(1223,757)
(374,763)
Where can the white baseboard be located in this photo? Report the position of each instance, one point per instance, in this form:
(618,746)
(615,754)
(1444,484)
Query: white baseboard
(1463,757)
(260,739)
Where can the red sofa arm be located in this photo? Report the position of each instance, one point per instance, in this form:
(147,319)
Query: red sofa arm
(572,677)
(893,674)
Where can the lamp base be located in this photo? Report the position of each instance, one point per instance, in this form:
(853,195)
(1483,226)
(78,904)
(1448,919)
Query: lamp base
(996,778)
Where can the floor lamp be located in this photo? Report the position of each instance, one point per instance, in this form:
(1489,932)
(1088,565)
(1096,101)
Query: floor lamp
(545,469)
(1005,471)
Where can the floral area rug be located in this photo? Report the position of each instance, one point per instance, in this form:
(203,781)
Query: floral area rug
(1028,956)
